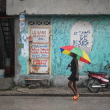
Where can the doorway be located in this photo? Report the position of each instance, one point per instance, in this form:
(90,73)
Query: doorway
(40,50)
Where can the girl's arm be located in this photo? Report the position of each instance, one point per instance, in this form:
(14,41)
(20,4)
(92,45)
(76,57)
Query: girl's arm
(76,67)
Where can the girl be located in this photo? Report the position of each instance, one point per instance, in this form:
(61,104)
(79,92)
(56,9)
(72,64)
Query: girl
(74,76)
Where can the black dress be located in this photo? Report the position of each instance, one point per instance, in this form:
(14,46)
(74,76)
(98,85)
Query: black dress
(73,70)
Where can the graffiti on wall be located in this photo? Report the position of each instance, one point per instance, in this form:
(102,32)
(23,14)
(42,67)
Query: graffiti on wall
(82,36)
(83,41)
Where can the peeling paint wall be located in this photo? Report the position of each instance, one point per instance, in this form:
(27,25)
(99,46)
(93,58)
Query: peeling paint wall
(99,52)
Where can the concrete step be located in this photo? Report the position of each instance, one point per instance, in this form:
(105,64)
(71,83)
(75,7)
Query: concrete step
(33,76)
(35,83)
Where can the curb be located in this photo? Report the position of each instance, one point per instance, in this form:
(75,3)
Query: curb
(58,95)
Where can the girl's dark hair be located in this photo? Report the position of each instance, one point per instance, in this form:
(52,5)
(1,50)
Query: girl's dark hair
(75,55)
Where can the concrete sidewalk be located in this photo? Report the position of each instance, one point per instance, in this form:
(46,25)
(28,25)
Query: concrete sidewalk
(53,91)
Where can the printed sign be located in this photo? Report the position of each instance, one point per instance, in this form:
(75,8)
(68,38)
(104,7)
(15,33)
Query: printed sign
(39,66)
(40,35)
(39,50)
(22,22)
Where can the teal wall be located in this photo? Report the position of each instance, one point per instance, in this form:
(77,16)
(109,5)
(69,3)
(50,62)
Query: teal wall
(23,60)
(61,28)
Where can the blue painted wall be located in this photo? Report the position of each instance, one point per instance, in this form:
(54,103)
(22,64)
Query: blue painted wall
(23,60)
(61,28)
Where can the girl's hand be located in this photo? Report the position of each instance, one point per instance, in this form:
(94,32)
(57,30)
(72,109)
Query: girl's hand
(69,65)
(76,76)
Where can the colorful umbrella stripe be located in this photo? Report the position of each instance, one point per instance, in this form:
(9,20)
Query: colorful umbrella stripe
(81,55)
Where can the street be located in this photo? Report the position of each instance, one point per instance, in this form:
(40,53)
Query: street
(53,103)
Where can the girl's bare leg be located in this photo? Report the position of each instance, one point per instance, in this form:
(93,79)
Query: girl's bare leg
(75,86)
(72,88)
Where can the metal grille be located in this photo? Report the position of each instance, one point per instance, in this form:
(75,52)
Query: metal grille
(45,22)
(31,22)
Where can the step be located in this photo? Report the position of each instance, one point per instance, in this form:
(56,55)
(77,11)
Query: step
(35,81)
(38,82)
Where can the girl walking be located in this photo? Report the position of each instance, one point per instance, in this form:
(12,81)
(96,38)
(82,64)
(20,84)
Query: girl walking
(74,76)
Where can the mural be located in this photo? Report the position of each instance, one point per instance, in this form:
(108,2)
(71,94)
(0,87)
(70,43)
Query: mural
(91,33)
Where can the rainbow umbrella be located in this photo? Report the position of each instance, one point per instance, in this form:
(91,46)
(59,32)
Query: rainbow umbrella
(81,55)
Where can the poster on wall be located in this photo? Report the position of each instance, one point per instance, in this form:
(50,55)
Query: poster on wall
(24,50)
(39,50)
(40,35)
(39,66)
(22,22)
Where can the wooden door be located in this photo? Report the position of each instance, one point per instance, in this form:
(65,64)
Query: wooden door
(40,47)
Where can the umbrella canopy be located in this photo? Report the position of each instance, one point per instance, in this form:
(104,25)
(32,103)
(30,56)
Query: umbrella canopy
(81,55)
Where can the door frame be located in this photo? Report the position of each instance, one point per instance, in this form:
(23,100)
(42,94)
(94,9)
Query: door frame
(50,48)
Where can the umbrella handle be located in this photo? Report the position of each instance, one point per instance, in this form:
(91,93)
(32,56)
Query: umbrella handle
(67,68)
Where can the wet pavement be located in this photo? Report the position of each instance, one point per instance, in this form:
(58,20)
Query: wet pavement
(53,91)
(53,103)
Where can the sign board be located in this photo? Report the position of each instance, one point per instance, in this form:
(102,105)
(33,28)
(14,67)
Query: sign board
(40,35)
(39,50)
(39,66)
(22,22)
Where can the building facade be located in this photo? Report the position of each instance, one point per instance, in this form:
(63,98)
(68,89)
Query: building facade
(45,26)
